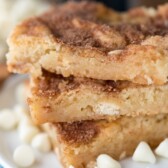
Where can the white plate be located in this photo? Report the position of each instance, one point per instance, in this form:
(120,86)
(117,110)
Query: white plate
(9,140)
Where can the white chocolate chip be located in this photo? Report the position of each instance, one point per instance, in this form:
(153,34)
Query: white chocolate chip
(71,166)
(143,153)
(107,108)
(41,142)
(21,112)
(24,156)
(26,134)
(151,12)
(115,52)
(148,79)
(105,161)
(8,119)
(162,149)
(25,122)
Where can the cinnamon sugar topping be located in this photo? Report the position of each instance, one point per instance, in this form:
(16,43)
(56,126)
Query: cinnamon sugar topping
(77,132)
(90,24)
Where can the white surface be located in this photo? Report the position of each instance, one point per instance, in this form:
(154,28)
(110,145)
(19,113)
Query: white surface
(9,140)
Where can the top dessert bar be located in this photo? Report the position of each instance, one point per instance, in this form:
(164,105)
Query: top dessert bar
(87,39)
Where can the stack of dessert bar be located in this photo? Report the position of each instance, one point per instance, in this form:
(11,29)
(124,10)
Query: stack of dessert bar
(98,77)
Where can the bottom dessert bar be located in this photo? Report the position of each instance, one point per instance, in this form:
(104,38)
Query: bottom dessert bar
(79,143)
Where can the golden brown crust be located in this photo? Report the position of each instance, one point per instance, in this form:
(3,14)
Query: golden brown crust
(121,45)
